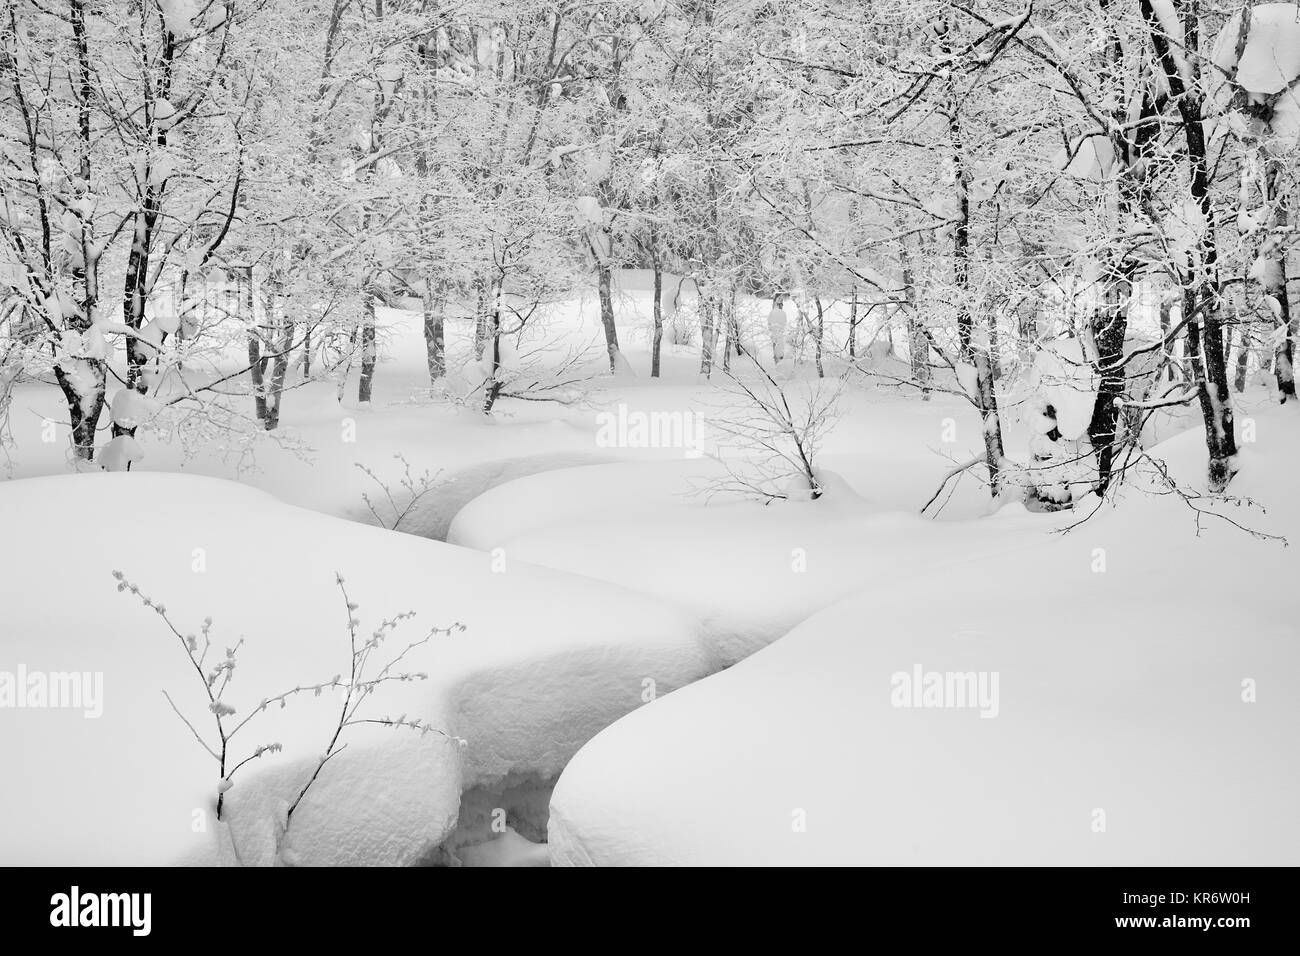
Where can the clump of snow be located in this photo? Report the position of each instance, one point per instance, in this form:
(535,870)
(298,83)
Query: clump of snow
(1092,158)
(179,15)
(120,453)
(587,211)
(1064,377)
(129,409)
(1271,58)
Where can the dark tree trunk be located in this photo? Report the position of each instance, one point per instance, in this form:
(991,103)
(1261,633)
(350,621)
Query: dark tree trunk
(1109,336)
(1243,360)
(157,78)
(368,350)
(658,318)
(853,324)
(819,335)
(84,417)
(492,388)
(1110,323)
(1201,299)
(279,368)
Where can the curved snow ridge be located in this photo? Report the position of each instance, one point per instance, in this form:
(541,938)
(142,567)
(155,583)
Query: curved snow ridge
(432,515)
(546,661)
(1041,709)
(750,572)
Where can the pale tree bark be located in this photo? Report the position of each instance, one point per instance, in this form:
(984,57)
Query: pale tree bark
(918,343)
(280,364)
(435,347)
(708,332)
(605,294)
(256,363)
(973,353)
(1275,283)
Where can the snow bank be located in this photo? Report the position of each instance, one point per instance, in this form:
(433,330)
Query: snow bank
(546,661)
(750,571)
(1142,713)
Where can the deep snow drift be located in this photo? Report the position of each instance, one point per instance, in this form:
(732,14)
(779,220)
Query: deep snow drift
(546,660)
(1133,704)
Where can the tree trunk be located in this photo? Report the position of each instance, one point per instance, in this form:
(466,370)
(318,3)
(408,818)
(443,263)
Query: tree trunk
(256,364)
(706,334)
(84,411)
(820,335)
(977,356)
(1243,360)
(492,387)
(1201,301)
(368,351)
(1275,287)
(481,318)
(732,326)
(853,323)
(156,77)
(918,343)
(82,414)
(658,318)
(279,368)
(603,285)
(434,344)
(1109,331)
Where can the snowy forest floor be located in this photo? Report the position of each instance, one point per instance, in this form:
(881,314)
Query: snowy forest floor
(1146,658)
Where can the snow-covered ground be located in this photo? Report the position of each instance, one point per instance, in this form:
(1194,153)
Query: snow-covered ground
(595,578)
(1133,704)
(545,661)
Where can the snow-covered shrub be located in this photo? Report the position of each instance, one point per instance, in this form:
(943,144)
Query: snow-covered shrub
(398,502)
(777,427)
(368,673)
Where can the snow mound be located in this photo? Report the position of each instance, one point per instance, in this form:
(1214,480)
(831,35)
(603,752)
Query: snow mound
(751,571)
(546,661)
(1126,704)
